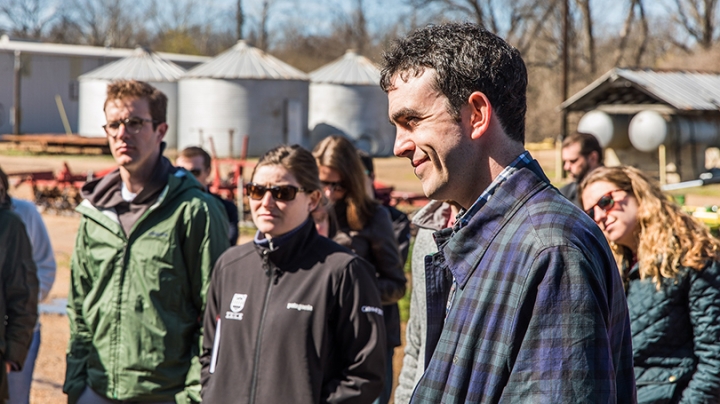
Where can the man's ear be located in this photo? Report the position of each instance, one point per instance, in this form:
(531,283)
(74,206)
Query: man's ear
(593,159)
(480,113)
(162,129)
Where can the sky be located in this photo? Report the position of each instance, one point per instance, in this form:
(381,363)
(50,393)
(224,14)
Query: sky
(316,16)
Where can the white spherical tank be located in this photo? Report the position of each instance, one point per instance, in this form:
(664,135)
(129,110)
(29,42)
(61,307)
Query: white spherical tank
(92,100)
(270,112)
(358,112)
(650,129)
(610,130)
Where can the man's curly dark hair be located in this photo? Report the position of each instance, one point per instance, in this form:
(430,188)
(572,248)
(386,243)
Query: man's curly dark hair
(466,58)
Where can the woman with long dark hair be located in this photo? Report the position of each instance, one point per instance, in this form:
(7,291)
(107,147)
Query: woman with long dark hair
(364,226)
(291,317)
(671,267)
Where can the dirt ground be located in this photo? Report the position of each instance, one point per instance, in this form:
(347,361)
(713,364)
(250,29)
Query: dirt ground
(50,366)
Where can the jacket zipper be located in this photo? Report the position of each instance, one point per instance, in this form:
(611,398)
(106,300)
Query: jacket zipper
(118,315)
(256,360)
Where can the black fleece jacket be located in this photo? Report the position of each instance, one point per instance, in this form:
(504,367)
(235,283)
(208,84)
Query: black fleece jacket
(299,323)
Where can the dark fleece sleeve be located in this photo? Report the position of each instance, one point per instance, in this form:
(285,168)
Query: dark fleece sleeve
(360,334)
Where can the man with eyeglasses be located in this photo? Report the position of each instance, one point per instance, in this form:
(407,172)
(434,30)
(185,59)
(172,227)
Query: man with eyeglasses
(581,153)
(147,241)
(198,162)
(524,300)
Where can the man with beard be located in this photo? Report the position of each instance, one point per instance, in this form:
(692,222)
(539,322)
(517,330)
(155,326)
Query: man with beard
(581,153)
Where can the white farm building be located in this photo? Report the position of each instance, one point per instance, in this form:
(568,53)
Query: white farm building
(243,92)
(46,76)
(346,99)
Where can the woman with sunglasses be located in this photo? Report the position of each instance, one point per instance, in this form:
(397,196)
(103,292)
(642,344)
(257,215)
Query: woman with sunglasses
(671,267)
(291,317)
(365,227)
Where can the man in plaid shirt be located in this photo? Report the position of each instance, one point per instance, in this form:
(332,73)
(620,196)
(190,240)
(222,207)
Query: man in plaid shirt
(524,300)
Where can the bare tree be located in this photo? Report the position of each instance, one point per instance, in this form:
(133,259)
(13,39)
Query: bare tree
(483,12)
(263,28)
(359,25)
(28,18)
(239,20)
(105,22)
(626,31)
(697,19)
(584,6)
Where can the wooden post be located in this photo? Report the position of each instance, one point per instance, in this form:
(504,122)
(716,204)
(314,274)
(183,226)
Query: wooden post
(663,164)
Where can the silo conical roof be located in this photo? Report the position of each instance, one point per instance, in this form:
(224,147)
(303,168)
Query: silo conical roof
(243,61)
(143,65)
(351,69)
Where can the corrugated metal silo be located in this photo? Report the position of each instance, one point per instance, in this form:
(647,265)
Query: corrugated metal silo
(243,91)
(346,99)
(143,65)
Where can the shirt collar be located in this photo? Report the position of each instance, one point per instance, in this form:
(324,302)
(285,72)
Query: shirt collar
(464,217)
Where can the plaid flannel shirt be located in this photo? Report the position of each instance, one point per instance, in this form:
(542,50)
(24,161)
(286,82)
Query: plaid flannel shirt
(539,314)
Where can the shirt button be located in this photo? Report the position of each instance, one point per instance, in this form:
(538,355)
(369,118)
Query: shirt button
(456,360)
(672,379)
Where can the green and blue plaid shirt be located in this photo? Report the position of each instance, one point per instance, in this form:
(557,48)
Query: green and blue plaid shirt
(539,315)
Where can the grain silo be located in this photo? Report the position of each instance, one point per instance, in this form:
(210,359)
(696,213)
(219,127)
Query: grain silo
(142,65)
(346,99)
(243,92)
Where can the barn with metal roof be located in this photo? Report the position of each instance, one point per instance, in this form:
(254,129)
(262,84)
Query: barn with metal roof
(142,65)
(46,78)
(346,99)
(649,110)
(243,91)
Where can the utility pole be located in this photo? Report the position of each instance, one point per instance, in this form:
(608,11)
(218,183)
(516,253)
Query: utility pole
(16,94)
(565,65)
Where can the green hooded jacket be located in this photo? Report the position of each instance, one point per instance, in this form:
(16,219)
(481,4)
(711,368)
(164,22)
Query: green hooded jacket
(136,302)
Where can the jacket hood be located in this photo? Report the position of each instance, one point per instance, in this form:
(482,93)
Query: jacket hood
(105,192)
(433,216)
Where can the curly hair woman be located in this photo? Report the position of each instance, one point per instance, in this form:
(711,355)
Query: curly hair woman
(671,267)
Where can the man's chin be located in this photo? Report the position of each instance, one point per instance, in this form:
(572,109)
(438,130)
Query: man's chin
(432,190)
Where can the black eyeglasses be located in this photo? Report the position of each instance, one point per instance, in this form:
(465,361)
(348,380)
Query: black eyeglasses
(606,202)
(332,186)
(283,193)
(133,125)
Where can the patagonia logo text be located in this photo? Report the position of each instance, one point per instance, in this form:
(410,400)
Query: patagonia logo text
(299,307)
(371,309)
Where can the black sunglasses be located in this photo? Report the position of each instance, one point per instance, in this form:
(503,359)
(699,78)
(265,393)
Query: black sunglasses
(606,202)
(279,192)
(196,172)
(332,186)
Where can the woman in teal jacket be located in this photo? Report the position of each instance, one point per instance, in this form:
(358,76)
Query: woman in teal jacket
(670,264)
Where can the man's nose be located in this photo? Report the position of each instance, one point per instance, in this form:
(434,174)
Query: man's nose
(404,146)
(121,131)
(566,166)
